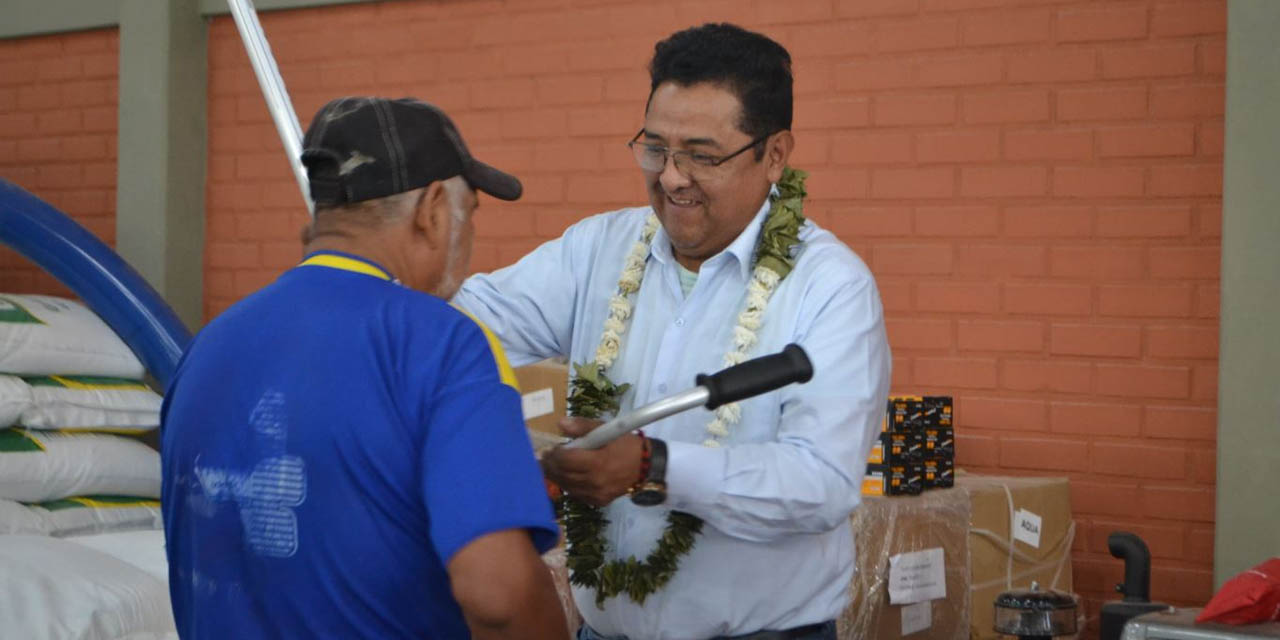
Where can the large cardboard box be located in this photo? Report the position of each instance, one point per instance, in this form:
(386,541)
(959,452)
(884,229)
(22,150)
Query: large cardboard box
(544,390)
(1020,531)
(974,524)
(884,527)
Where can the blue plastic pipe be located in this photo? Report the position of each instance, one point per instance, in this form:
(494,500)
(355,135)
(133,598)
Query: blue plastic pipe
(100,277)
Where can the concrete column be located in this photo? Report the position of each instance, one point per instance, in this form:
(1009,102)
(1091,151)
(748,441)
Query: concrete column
(161,152)
(1248,509)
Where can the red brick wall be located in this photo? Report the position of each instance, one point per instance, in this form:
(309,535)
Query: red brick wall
(58,136)
(1036,184)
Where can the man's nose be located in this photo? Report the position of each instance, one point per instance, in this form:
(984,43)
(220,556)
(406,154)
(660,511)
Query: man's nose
(671,177)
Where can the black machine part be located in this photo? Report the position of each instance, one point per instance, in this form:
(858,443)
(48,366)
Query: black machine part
(1032,614)
(1137,565)
(1136,587)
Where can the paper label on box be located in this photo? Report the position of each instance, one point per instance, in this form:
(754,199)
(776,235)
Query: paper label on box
(917,617)
(917,576)
(537,403)
(1026,527)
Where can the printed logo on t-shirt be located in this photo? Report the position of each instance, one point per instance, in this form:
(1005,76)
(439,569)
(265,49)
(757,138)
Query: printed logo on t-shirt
(266,495)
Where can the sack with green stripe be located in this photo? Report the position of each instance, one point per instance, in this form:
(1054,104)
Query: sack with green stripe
(84,403)
(19,519)
(83,515)
(45,335)
(37,466)
(15,397)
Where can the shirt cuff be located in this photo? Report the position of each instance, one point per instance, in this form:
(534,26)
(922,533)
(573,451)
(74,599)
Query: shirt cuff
(695,474)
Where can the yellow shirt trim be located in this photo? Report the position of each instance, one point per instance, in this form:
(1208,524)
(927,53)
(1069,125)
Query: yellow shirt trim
(344,263)
(505,371)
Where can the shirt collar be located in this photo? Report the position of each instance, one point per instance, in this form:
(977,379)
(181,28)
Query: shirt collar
(346,262)
(743,247)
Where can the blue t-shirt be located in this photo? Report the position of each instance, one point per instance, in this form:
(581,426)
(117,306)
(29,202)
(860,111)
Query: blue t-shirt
(329,444)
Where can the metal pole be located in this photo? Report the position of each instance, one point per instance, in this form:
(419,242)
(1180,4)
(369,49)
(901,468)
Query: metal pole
(278,103)
(652,412)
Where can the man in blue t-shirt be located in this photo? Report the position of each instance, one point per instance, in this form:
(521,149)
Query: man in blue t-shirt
(344,454)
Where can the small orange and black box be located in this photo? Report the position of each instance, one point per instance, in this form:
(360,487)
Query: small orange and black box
(910,413)
(905,478)
(905,446)
(938,410)
(940,441)
(900,409)
(939,472)
(876,481)
(877,453)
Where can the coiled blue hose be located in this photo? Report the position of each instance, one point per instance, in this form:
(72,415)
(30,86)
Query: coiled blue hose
(100,277)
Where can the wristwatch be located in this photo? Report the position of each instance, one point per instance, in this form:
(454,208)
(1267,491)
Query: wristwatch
(653,489)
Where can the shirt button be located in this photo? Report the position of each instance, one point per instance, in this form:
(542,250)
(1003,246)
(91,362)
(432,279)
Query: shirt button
(679,322)
(631,521)
(662,388)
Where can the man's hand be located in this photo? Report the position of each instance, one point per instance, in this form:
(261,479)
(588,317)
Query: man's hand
(594,476)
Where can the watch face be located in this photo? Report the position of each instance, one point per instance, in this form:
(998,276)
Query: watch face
(647,497)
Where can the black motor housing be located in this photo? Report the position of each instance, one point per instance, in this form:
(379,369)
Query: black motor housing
(1136,588)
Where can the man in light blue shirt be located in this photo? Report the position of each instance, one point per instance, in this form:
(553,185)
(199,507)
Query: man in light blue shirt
(773,481)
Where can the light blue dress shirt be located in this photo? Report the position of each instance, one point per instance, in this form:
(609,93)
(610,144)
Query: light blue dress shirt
(776,550)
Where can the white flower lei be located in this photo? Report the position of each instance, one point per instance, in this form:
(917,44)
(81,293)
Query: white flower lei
(759,290)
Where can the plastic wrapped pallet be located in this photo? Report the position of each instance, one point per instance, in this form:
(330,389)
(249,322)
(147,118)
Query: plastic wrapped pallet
(885,527)
(974,525)
(555,560)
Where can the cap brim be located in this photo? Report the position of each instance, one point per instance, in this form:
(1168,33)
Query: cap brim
(498,184)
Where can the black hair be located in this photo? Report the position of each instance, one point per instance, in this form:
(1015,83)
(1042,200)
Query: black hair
(750,65)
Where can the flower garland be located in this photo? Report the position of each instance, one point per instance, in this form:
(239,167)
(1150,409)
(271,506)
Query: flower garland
(592,395)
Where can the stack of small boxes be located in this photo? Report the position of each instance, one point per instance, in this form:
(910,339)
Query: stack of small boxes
(916,449)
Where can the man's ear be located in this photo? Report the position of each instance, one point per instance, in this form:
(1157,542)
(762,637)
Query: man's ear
(777,153)
(432,217)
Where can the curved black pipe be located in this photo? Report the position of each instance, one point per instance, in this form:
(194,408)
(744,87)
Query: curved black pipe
(1137,565)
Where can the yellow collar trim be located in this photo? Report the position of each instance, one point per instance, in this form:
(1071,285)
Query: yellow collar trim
(345,264)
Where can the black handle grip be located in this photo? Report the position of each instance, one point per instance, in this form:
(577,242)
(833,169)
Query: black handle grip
(1137,565)
(756,376)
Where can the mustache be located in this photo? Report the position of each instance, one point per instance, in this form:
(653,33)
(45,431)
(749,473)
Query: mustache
(689,194)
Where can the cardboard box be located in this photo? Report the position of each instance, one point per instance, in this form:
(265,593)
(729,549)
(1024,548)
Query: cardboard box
(1042,504)
(971,523)
(544,387)
(886,527)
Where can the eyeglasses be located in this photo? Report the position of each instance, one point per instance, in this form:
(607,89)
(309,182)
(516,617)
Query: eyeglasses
(691,164)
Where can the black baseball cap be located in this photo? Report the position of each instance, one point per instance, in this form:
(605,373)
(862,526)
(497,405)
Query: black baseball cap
(360,148)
